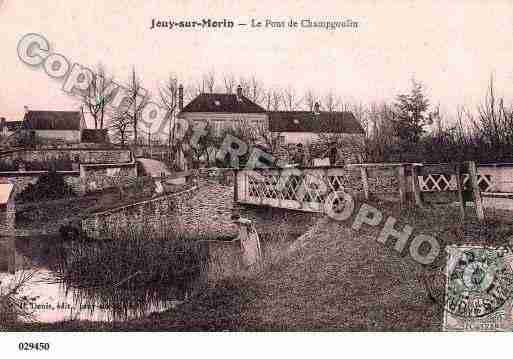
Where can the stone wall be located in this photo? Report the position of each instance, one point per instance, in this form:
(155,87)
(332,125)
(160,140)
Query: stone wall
(7,218)
(150,217)
(99,177)
(72,136)
(88,178)
(207,215)
(84,155)
(224,176)
(22,179)
(7,228)
(100,168)
(384,180)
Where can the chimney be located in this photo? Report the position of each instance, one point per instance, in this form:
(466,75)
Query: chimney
(239,92)
(2,123)
(180,97)
(317,108)
(26,109)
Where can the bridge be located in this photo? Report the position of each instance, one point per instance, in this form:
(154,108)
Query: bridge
(307,189)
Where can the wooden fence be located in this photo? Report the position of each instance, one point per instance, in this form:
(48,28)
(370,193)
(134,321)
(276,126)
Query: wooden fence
(307,188)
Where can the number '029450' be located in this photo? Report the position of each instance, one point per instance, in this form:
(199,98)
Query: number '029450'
(34,346)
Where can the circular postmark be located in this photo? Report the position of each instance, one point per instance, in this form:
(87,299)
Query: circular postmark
(479,281)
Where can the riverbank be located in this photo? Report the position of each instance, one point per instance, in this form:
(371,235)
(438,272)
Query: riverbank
(332,278)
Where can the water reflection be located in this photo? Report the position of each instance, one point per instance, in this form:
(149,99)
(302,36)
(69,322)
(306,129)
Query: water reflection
(53,301)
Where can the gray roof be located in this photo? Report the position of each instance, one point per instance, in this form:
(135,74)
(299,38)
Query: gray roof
(53,120)
(222,102)
(307,121)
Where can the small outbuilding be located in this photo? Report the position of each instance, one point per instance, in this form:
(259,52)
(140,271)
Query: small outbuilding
(65,126)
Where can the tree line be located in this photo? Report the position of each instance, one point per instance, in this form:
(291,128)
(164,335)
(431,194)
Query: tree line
(408,128)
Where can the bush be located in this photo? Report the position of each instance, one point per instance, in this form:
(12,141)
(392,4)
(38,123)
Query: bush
(49,186)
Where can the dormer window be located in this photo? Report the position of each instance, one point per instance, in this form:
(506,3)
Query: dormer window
(317,108)
(217,103)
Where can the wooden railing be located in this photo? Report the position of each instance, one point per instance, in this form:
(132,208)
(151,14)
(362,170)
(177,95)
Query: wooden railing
(306,189)
(302,189)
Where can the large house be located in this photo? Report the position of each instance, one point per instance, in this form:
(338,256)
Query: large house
(304,127)
(333,135)
(222,111)
(337,135)
(66,126)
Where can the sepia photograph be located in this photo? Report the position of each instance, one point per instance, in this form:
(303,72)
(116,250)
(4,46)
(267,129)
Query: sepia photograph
(255,167)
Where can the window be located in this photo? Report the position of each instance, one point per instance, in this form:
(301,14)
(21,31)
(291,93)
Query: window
(217,128)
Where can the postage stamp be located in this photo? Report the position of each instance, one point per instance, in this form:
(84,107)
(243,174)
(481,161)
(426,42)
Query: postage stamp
(479,287)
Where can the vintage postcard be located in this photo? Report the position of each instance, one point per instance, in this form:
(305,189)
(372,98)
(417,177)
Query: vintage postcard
(257,166)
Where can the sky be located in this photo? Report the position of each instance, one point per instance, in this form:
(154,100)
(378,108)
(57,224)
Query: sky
(452,48)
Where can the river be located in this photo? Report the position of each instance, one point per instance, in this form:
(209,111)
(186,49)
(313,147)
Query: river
(51,301)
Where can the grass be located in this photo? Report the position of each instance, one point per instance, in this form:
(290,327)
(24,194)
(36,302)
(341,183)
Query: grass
(134,272)
(332,278)
(14,307)
(336,278)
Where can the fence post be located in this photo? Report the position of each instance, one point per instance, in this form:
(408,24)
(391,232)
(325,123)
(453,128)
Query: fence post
(365,181)
(475,190)
(459,186)
(402,184)
(235,185)
(416,186)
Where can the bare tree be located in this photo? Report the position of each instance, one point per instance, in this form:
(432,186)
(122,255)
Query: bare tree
(190,91)
(331,101)
(245,84)
(229,83)
(121,126)
(493,127)
(273,99)
(169,100)
(256,90)
(380,139)
(310,99)
(197,87)
(138,99)
(209,81)
(97,96)
(290,99)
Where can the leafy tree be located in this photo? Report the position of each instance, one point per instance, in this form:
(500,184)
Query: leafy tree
(410,114)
